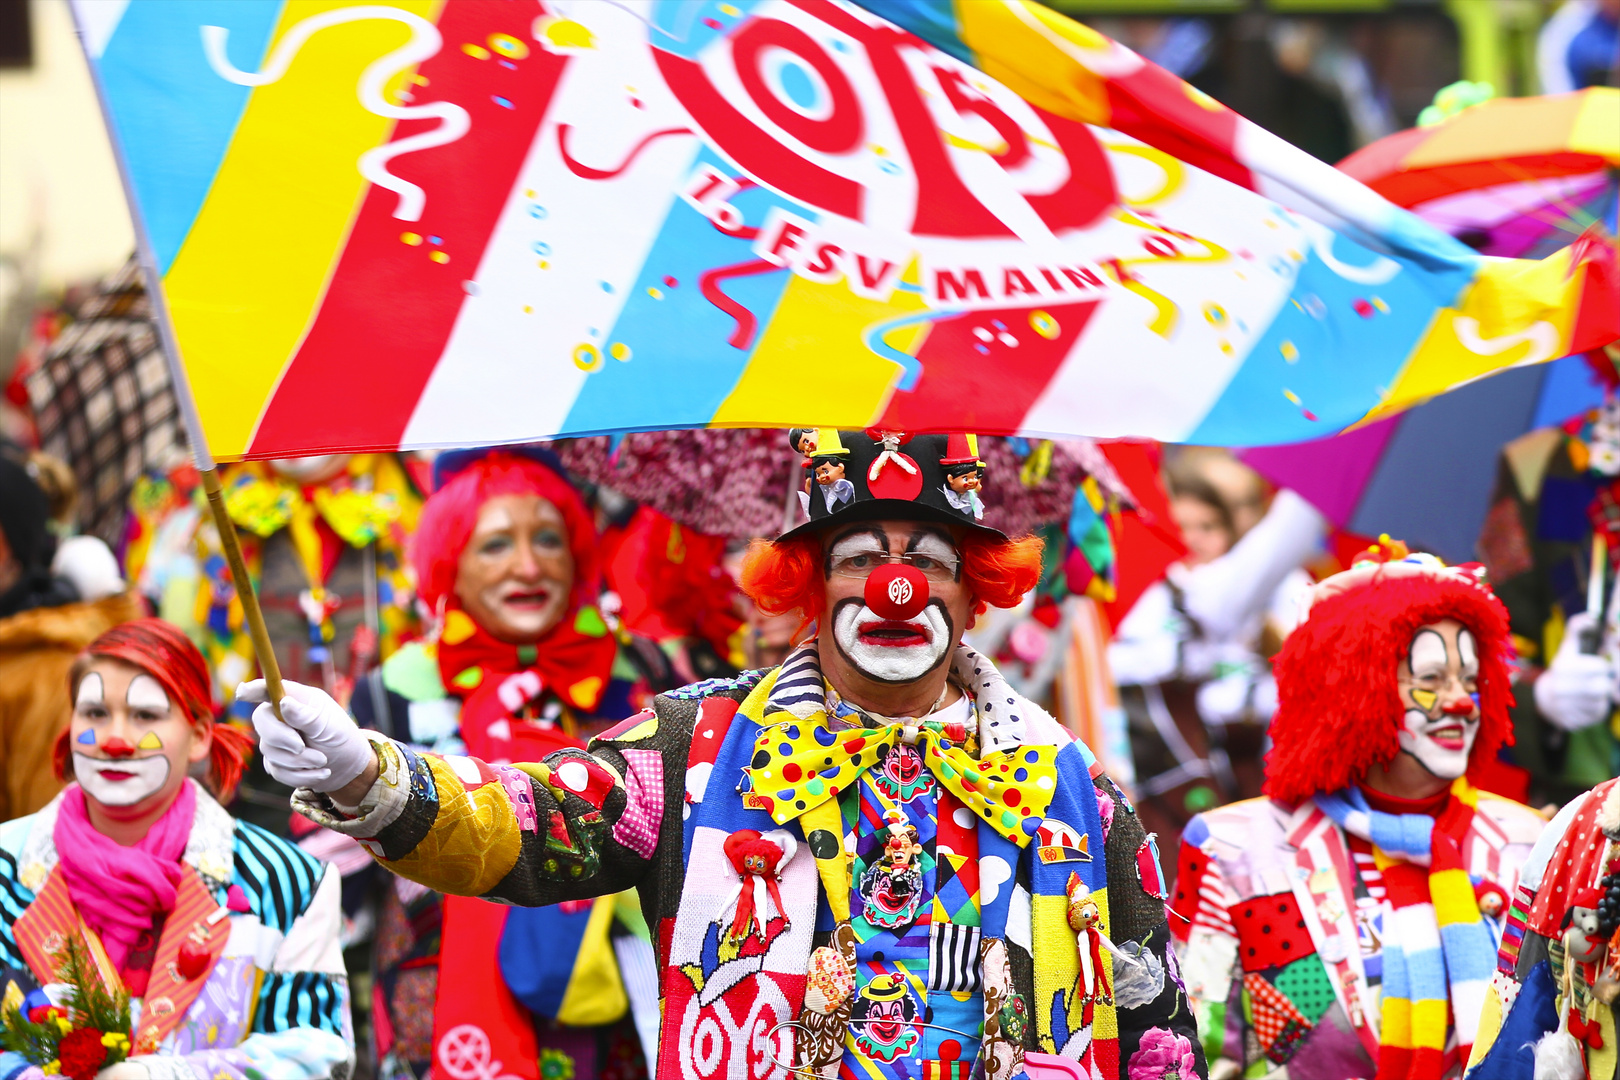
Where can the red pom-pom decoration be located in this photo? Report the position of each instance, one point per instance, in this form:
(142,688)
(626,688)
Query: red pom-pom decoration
(897,591)
(81,1053)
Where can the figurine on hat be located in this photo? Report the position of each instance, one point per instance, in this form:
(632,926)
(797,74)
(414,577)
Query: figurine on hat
(964,474)
(826,468)
(935,478)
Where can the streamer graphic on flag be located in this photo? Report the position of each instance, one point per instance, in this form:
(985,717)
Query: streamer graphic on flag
(417,224)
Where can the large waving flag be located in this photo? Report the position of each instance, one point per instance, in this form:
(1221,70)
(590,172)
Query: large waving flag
(423,223)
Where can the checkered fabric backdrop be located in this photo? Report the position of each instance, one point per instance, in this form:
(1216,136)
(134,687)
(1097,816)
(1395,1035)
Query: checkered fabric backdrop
(103,401)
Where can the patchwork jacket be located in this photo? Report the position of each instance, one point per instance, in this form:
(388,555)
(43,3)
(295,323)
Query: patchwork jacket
(651,804)
(1281,940)
(274,1000)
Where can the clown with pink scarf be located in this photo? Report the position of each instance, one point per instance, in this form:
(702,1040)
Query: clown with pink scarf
(225,937)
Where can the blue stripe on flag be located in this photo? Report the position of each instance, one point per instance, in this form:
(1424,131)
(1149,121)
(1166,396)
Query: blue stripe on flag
(1339,357)
(681,367)
(154,59)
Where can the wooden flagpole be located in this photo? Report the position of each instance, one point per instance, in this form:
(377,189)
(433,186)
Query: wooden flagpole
(251,612)
(200,453)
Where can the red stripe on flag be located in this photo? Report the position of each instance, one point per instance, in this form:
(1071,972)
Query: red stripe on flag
(969,370)
(390,307)
(1153,105)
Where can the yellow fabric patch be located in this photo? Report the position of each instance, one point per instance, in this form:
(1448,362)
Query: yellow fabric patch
(474,842)
(1396,1028)
(1059,969)
(644,730)
(586,692)
(595,992)
(1601,1063)
(1490,1025)
(458,627)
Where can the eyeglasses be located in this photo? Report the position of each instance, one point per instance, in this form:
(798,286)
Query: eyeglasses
(940,568)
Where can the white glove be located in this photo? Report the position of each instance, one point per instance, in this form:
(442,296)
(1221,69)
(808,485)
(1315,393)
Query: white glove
(318,747)
(128,1069)
(1574,691)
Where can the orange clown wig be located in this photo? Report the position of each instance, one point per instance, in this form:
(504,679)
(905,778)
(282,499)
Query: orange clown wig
(783,576)
(1339,709)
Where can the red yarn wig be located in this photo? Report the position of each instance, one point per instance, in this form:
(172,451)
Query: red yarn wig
(1340,711)
(164,652)
(449,515)
(783,576)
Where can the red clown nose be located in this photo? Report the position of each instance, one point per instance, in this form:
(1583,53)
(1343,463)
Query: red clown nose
(897,591)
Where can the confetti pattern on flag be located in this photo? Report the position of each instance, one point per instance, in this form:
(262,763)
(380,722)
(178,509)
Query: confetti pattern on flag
(420,224)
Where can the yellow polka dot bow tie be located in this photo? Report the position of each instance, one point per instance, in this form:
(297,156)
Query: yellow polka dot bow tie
(800,764)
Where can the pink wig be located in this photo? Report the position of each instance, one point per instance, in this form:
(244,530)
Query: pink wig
(449,515)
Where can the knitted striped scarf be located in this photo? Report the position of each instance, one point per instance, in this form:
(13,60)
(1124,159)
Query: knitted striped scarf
(1437,948)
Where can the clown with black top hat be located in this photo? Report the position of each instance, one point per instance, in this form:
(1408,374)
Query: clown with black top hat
(880,742)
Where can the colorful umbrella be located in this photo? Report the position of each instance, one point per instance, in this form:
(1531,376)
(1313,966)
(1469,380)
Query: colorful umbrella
(1518,177)
(1426,476)
(1514,177)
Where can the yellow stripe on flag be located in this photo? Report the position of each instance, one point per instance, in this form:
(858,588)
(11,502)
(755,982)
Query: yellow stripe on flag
(250,275)
(842,385)
(1515,312)
(1035,52)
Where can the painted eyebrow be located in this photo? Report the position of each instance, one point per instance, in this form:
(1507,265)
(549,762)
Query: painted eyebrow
(83,696)
(870,531)
(1445,652)
(856,532)
(941,535)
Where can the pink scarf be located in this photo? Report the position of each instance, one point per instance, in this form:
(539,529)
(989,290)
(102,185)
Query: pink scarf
(121,890)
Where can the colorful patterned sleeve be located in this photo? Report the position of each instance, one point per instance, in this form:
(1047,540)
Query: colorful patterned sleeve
(1204,934)
(582,823)
(1157,1033)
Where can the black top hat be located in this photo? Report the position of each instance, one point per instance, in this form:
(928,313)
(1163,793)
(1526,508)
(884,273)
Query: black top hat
(891,475)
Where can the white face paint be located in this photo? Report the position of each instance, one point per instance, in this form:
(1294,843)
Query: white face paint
(90,693)
(120,781)
(1440,741)
(145,693)
(890,651)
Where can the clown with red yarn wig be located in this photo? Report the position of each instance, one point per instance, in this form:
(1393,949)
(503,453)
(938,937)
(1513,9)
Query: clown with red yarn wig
(1347,924)
(858,862)
(225,936)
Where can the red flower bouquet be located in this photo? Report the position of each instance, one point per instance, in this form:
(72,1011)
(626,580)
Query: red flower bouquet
(78,1041)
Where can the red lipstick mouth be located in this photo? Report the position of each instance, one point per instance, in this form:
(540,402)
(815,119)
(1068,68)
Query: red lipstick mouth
(1448,737)
(528,599)
(892,634)
(116,775)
